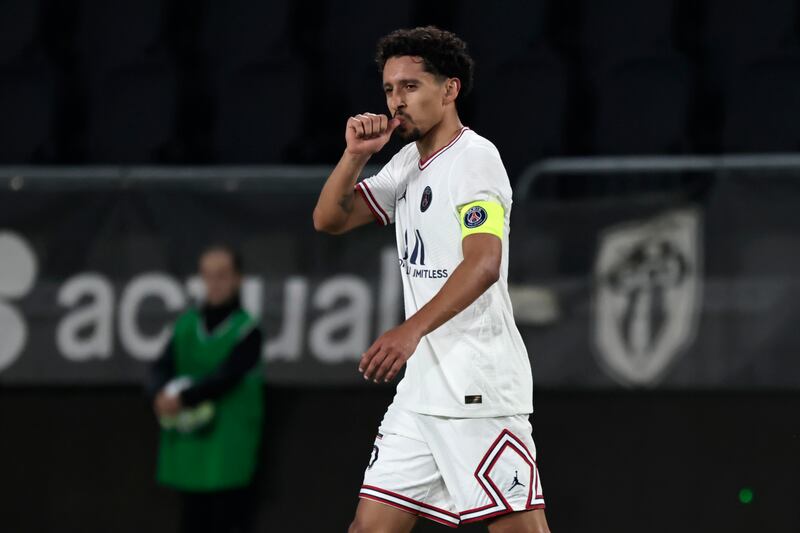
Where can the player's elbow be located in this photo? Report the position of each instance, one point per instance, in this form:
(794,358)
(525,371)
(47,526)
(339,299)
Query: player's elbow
(492,275)
(489,270)
(324,224)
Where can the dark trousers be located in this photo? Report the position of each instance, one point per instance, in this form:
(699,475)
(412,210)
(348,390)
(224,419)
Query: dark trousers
(225,511)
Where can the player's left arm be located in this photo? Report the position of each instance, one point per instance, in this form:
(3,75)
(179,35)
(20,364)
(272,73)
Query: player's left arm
(482,249)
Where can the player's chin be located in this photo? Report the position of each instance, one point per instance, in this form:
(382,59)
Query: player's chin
(409,134)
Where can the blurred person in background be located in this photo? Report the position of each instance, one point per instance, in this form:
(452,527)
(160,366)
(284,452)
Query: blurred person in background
(206,390)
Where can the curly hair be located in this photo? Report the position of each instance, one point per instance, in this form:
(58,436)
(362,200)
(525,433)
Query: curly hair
(443,53)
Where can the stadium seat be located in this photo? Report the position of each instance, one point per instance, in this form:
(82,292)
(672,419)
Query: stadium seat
(28,89)
(130,81)
(640,86)
(240,33)
(615,31)
(753,55)
(741,31)
(348,55)
(762,107)
(532,129)
(131,114)
(19,28)
(256,81)
(642,107)
(27,105)
(120,33)
(518,63)
(257,114)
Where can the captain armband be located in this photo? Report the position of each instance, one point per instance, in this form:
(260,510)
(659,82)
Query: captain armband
(482,217)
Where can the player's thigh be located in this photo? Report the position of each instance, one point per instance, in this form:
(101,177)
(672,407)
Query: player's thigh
(374,517)
(520,522)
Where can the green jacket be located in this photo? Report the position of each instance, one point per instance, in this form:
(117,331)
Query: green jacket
(223,454)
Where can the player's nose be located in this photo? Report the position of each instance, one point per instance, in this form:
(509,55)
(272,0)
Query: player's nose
(395,103)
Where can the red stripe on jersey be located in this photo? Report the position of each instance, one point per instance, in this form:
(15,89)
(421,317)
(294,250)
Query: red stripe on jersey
(369,201)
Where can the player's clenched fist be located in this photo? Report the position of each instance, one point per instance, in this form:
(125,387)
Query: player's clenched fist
(367,133)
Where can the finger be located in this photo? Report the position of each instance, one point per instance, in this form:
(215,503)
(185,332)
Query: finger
(398,364)
(374,364)
(367,121)
(367,356)
(386,365)
(360,130)
(392,125)
(374,123)
(352,123)
(384,123)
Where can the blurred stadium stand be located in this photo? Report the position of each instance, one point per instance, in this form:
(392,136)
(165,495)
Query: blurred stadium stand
(130,80)
(174,81)
(754,50)
(640,81)
(27,86)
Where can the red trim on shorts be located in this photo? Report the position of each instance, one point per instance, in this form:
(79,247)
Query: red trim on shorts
(503,512)
(492,500)
(537,495)
(534,476)
(423,163)
(372,203)
(411,500)
(409,509)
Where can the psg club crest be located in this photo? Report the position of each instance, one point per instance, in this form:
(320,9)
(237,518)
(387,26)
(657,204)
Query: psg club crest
(427,197)
(475,216)
(648,277)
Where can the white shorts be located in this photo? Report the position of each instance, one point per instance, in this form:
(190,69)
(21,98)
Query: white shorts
(453,470)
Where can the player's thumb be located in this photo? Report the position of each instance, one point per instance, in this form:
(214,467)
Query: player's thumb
(393,123)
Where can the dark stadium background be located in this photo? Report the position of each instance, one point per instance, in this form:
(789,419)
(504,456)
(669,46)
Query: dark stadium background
(243,82)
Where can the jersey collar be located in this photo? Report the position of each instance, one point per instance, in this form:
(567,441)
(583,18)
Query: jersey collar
(423,163)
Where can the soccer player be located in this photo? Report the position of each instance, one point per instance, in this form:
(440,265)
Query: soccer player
(455,445)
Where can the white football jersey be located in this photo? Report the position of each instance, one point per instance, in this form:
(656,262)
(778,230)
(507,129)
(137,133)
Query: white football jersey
(475,364)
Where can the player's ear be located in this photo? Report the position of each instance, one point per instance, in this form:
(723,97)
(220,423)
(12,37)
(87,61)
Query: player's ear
(452,87)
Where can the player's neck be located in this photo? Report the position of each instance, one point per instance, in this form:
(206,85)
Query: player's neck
(439,136)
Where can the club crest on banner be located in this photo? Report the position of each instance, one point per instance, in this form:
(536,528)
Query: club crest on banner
(647,294)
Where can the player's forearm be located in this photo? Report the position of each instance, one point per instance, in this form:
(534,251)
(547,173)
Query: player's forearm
(337,198)
(469,280)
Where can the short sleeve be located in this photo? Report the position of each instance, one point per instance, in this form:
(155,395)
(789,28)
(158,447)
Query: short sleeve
(380,194)
(478,175)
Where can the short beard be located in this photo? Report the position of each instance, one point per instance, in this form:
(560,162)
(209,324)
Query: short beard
(409,135)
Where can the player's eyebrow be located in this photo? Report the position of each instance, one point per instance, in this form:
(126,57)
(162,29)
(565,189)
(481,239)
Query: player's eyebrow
(402,82)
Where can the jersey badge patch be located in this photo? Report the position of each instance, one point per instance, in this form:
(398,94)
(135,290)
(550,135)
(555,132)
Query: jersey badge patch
(427,197)
(475,216)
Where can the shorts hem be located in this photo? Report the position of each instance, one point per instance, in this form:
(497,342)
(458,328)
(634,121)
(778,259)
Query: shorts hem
(409,505)
(501,513)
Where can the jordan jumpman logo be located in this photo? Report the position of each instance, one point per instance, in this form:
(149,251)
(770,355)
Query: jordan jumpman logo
(516,482)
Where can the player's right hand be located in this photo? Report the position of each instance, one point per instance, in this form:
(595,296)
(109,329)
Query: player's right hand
(367,133)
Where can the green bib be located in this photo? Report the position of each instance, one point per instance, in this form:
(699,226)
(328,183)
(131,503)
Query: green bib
(223,454)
